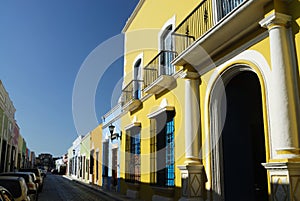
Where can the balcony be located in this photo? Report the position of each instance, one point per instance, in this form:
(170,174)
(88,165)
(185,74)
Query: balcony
(158,73)
(213,26)
(131,95)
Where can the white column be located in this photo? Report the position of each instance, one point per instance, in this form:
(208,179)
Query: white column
(283,96)
(192,117)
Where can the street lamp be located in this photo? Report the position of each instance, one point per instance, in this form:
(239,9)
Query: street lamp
(112,134)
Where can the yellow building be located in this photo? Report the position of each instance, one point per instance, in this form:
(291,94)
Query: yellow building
(96,156)
(211,100)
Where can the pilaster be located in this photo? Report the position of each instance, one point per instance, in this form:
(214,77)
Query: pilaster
(283,92)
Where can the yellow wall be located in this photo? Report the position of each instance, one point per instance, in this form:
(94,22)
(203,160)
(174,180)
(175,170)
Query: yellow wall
(96,144)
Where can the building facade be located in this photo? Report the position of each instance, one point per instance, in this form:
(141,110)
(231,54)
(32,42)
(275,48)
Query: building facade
(84,158)
(96,156)
(111,142)
(211,101)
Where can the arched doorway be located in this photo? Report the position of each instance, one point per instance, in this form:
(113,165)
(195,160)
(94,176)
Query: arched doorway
(240,148)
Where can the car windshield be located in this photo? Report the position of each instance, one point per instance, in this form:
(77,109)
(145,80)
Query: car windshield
(13,186)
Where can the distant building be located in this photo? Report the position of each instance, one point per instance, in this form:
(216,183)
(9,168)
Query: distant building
(45,160)
(61,164)
(7,121)
(13,150)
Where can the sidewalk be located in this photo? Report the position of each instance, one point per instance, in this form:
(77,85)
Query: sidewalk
(113,195)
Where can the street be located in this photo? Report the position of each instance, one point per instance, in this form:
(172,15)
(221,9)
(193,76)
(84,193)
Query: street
(58,188)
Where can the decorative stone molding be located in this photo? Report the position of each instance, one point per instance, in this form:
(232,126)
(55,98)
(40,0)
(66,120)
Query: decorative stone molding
(186,74)
(163,82)
(132,105)
(275,19)
(285,180)
(193,182)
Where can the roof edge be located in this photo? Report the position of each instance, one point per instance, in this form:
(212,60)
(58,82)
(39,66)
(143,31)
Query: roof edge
(132,16)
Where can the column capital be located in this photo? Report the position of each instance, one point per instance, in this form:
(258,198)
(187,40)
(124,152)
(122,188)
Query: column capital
(275,19)
(186,74)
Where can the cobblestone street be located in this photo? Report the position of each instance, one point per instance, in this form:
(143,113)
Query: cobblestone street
(58,188)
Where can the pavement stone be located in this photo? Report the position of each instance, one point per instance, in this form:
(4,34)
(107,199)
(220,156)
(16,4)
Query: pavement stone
(113,195)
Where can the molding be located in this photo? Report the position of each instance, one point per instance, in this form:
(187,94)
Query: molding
(154,114)
(132,125)
(169,22)
(133,15)
(275,19)
(145,97)
(132,105)
(112,110)
(189,75)
(163,82)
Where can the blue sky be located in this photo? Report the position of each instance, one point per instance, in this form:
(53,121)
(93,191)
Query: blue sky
(43,44)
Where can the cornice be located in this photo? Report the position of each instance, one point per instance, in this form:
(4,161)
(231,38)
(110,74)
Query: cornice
(133,15)
(275,19)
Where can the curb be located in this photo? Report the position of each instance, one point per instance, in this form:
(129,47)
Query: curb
(112,195)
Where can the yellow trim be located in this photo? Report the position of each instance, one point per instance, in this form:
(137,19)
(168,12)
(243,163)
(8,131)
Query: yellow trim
(294,151)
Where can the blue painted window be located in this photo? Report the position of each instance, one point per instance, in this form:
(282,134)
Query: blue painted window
(170,172)
(133,156)
(162,162)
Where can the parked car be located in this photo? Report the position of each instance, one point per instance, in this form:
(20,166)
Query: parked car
(43,173)
(16,186)
(31,185)
(38,175)
(5,195)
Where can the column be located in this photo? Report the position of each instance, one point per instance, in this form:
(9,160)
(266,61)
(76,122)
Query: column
(284,166)
(283,95)
(192,172)
(192,117)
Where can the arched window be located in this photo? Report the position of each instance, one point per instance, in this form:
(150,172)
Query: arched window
(167,54)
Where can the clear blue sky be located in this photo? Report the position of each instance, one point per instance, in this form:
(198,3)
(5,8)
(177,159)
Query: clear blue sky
(43,44)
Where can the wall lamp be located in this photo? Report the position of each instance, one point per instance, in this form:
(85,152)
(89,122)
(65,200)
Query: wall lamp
(112,134)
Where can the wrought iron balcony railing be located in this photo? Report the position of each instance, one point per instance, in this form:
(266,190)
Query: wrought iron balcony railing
(132,91)
(193,26)
(159,65)
(200,20)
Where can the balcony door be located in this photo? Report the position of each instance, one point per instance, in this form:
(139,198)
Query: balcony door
(166,57)
(226,6)
(137,78)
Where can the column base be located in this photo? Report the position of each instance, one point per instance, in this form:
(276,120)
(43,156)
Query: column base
(193,182)
(285,180)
